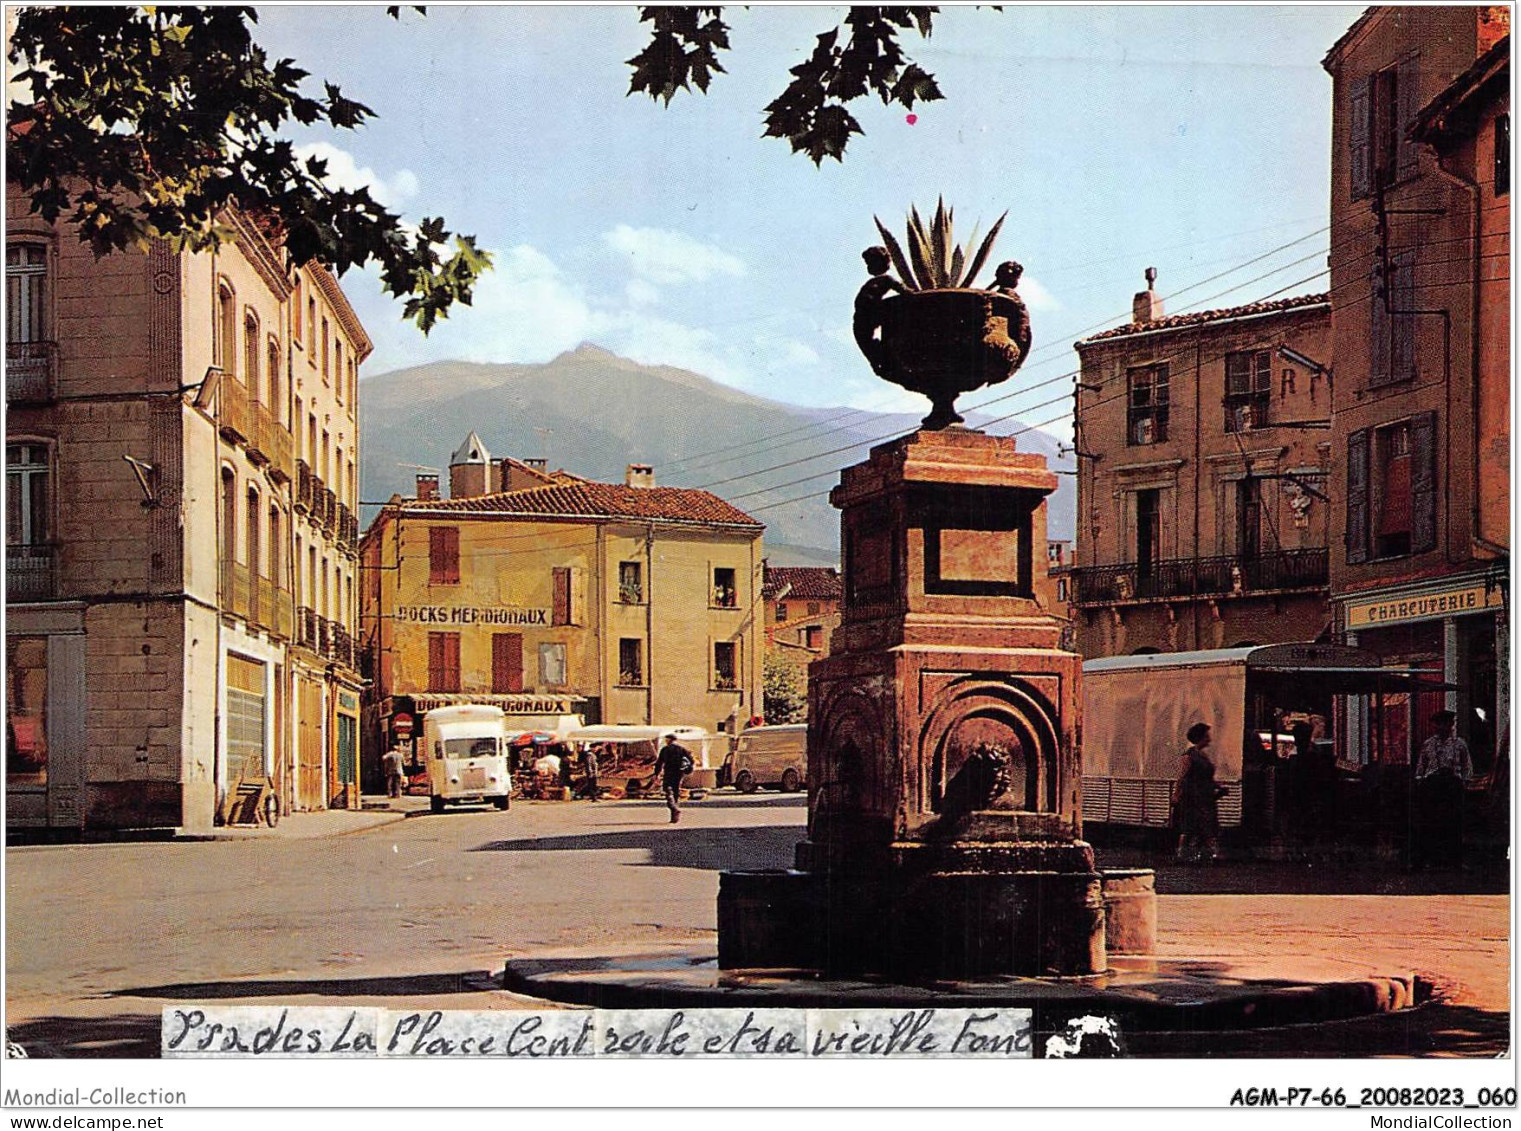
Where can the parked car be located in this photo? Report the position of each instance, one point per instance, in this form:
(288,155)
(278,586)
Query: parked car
(771,756)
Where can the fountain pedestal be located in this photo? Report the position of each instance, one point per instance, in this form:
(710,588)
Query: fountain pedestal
(944,822)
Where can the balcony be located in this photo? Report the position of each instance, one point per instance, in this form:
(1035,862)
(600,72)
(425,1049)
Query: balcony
(234,415)
(271,442)
(1202,577)
(29,572)
(306,628)
(329,510)
(31,372)
(239,595)
(343,645)
(279,613)
(324,637)
(304,483)
(344,527)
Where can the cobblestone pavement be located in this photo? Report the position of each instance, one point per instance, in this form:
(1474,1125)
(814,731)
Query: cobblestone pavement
(422,911)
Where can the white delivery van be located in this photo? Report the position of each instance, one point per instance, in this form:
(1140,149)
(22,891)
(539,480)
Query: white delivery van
(773,756)
(466,752)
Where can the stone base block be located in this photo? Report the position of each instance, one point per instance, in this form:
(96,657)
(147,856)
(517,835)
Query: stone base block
(767,920)
(1130,910)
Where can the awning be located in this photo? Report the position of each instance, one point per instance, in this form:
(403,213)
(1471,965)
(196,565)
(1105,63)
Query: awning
(1362,681)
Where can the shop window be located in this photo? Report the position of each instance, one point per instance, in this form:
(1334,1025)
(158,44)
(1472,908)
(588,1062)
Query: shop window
(1248,390)
(552,665)
(506,662)
(725,667)
(630,662)
(443,661)
(1502,155)
(725,594)
(781,611)
(443,555)
(630,583)
(26,737)
(26,278)
(1148,398)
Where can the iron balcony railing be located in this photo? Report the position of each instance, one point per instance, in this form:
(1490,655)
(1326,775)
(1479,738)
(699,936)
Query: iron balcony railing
(304,482)
(1202,577)
(306,627)
(30,573)
(31,372)
(329,509)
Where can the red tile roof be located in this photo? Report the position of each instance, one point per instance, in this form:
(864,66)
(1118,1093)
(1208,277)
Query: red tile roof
(1200,317)
(588,500)
(801,583)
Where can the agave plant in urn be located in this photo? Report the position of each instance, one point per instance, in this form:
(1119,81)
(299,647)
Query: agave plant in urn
(928,328)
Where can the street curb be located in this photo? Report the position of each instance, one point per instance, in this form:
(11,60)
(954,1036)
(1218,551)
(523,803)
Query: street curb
(378,821)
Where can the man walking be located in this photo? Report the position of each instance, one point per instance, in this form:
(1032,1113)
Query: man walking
(393,762)
(589,770)
(1442,771)
(673,763)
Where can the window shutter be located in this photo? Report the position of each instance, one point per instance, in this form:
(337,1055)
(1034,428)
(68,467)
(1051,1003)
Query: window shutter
(1362,137)
(561,612)
(577,601)
(1378,331)
(443,555)
(1403,298)
(507,662)
(435,661)
(1357,497)
(1423,477)
(1408,79)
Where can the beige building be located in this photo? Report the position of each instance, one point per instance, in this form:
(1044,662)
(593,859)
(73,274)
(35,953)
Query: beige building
(161,409)
(1203,453)
(802,611)
(623,603)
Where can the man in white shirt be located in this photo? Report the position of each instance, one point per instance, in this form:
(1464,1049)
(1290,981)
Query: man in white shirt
(1442,769)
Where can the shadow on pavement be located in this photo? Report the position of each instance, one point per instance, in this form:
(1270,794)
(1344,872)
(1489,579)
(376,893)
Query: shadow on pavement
(1371,877)
(413,985)
(709,849)
(132,1035)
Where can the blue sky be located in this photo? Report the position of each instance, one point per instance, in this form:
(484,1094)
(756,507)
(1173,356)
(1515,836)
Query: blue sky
(1186,138)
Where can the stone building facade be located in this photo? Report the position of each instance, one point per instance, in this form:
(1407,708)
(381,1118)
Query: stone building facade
(152,470)
(1420,444)
(802,611)
(1202,513)
(622,603)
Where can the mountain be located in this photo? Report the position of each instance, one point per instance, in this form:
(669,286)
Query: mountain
(593,412)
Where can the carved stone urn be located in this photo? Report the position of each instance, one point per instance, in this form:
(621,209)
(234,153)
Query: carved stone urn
(942,343)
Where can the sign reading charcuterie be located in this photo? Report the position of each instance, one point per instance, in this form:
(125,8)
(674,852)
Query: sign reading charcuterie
(1450,602)
(464,614)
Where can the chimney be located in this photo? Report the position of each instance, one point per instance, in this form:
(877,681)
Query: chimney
(427,487)
(537,464)
(639,475)
(1147,304)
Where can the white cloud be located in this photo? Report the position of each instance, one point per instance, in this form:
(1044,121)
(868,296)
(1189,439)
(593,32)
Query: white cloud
(662,256)
(346,173)
(793,352)
(1036,296)
(641,293)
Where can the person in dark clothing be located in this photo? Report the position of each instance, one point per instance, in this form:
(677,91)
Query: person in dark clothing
(589,773)
(1196,797)
(673,763)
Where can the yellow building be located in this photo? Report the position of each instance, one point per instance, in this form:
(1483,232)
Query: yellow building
(623,603)
(171,584)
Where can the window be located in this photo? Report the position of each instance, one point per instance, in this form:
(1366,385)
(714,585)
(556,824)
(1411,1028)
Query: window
(1391,490)
(1502,154)
(552,665)
(1249,517)
(26,730)
(1248,390)
(1061,589)
(813,608)
(1392,325)
(443,661)
(26,276)
(1148,530)
(1382,107)
(630,662)
(813,637)
(28,506)
(443,555)
(276,397)
(563,611)
(725,595)
(338,366)
(326,447)
(326,609)
(725,672)
(274,548)
(253,519)
(311,322)
(506,662)
(295,310)
(326,349)
(1147,400)
(301,597)
(630,583)
(781,611)
(251,353)
(311,440)
(229,516)
(226,343)
(353,385)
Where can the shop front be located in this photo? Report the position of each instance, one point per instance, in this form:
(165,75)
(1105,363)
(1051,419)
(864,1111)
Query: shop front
(1455,629)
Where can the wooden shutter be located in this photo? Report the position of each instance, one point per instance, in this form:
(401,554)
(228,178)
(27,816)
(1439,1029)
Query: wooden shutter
(1362,137)
(1402,324)
(507,662)
(1357,497)
(443,555)
(1408,80)
(443,661)
(1378,331)
(1423,483)
(561,614)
